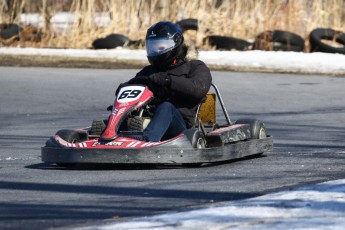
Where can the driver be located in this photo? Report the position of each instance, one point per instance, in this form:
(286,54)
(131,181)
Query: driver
(179,83)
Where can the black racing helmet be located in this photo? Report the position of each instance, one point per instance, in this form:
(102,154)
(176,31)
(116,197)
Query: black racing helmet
(164,45)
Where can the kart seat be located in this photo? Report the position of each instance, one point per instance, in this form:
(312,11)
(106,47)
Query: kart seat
(207,110)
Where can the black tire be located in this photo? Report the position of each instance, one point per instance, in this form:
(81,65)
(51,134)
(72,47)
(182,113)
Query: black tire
(317,45)
(111,41)
(51,143)
(278,40)
(136,124)
(188,24)
(72,136)
(226,43)
(97,127)
(257,128)
(9,30)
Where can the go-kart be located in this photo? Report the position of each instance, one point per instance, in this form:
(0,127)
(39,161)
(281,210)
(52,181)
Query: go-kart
(113,140)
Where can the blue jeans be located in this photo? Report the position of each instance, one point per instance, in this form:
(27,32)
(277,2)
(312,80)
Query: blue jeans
(167,121)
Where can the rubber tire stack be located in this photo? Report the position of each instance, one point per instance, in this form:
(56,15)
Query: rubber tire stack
(188,24)
(111,41)
(9,30)
(278,40)
(319,34)
(226,43)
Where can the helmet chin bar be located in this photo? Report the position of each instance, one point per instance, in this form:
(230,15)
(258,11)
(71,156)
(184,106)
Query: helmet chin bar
(169,60)
(161,62)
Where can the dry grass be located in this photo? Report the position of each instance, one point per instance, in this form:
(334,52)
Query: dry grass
(238,18)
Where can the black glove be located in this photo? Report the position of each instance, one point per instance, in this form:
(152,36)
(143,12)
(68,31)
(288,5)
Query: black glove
(160,79)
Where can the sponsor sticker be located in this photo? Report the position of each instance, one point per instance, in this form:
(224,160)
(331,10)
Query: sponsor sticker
(112,143)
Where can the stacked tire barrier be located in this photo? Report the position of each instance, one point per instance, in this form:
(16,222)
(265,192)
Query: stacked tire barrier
(327,40)
(226,43)
(278,40)
(321,40)
(111,41)
(116,40)
(12,33)
(8,31)
(188,24)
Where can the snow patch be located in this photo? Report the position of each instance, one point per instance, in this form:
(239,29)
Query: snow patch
(321,206)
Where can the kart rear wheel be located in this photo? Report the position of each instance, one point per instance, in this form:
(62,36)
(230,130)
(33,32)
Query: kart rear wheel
(198,140)
(257,128)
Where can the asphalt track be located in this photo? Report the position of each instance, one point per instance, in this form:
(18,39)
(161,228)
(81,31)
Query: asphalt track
(304,113)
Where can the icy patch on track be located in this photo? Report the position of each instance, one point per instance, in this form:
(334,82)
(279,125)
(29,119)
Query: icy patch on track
(321,206)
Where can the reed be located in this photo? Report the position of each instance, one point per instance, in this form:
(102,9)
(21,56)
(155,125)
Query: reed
(237,18)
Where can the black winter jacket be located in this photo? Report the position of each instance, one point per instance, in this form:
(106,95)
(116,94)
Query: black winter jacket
(190,82)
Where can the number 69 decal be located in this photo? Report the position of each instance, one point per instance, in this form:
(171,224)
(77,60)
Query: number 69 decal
(130,93)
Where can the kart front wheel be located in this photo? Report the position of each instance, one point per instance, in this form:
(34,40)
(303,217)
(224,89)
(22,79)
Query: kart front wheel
(72,136)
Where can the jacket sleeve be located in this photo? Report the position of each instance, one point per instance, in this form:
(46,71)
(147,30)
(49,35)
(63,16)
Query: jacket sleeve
(196,85)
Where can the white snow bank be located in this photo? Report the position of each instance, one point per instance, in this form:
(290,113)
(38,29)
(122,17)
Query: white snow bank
(278,60)
(124,54)
(322,63)
(321,206)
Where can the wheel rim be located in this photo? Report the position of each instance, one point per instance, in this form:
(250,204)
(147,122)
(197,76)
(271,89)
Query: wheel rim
(74,140)
(200,143)
(262,133)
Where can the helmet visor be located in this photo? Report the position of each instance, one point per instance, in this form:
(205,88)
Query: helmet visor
(155,47)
